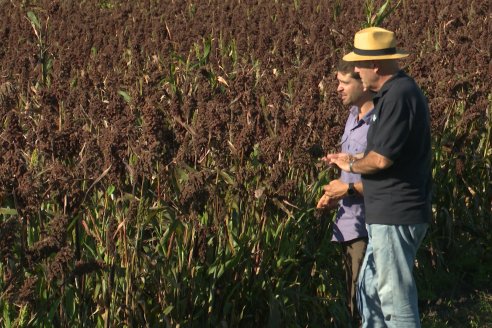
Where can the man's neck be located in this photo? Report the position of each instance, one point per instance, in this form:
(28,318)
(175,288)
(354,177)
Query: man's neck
(365,108)
(386,74)
(384,79)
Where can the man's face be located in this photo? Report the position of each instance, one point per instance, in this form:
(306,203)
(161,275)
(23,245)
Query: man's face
(350,89)
(367,72)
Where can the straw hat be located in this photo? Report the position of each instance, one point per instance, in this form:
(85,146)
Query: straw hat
(374,43)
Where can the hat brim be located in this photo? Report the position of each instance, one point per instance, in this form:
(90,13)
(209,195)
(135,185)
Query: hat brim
(355,57)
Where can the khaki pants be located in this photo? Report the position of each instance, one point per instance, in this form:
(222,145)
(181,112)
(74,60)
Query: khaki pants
(352,256)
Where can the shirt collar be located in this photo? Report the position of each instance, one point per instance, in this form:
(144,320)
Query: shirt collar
(354,111)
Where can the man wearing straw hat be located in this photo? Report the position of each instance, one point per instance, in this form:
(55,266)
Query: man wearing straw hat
(396,177)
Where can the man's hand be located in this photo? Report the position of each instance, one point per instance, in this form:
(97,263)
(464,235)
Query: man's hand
(325,202)
(333,158)
(336,189)
(343,162)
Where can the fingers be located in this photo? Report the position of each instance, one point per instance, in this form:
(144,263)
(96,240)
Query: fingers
(323,201)
(329,190)
(326,159)
(330,157)
(334,187)
(326,202)
(336,159)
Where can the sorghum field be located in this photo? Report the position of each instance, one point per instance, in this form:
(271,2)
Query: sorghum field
(159,160)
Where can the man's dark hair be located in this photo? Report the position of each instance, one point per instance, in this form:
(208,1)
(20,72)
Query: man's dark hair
(346,67)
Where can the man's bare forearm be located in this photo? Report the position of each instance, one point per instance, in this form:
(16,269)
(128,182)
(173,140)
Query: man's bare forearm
(358,156)
(370,164)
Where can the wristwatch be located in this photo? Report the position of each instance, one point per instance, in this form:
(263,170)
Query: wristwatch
(351,189)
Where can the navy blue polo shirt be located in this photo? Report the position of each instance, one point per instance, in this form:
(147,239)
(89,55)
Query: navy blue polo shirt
(400,131)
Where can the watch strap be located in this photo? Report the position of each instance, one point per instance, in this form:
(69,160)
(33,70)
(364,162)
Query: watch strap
(351,189)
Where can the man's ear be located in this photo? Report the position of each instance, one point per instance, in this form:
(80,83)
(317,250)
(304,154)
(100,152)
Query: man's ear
(374,65)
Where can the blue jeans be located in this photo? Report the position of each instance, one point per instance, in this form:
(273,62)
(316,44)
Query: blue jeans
(387,294)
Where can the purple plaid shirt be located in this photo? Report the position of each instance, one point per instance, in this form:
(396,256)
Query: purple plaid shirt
(350,223)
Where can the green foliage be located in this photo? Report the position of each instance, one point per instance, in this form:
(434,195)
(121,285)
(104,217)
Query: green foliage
(45,58)
(461,211)
(106,4)
(375,16)
(125,96)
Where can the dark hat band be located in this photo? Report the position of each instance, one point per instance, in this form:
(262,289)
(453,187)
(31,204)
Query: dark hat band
(379,52)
